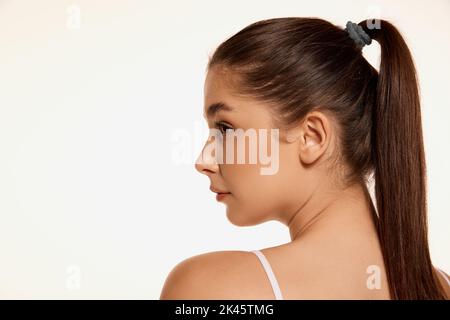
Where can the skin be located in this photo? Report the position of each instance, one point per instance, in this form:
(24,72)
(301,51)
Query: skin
(333,238)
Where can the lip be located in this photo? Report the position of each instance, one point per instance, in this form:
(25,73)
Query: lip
(221,196)
(218,191)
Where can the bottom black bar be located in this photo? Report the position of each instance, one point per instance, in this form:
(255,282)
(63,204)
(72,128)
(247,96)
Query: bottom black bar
(222,309)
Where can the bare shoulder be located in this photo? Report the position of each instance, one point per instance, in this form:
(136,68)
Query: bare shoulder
(216,275)
(444,279)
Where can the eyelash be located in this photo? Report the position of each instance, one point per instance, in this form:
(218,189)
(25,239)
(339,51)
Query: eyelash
(220,126)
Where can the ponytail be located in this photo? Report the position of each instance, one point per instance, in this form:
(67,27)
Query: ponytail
(400,172)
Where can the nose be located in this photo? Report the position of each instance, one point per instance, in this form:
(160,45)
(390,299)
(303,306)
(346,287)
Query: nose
(206,161)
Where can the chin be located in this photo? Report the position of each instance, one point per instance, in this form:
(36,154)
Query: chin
(241,219)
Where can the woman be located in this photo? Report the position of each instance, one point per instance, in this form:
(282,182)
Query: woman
(339,122)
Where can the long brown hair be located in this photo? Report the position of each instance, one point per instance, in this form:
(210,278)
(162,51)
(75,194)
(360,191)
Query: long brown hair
(305,64)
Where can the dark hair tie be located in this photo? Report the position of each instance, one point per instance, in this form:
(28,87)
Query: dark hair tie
(358,34)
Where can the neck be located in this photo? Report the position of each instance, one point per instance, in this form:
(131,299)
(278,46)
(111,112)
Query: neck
(333,211)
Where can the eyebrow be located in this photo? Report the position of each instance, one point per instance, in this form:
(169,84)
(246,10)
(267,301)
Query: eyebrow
(216,107)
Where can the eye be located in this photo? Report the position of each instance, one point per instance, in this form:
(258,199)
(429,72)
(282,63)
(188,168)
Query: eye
(222,127)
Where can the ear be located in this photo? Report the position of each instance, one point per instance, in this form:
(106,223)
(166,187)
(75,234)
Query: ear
(314,136)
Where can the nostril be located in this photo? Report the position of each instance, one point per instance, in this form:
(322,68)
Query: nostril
(206,166)
(207,171)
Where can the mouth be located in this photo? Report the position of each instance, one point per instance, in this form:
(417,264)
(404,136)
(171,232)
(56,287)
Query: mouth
(221,196)
(220,193)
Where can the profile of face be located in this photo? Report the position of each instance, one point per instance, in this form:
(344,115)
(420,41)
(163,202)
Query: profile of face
(254,197)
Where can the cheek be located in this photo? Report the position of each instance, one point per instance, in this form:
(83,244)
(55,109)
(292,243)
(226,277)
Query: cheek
(255,198)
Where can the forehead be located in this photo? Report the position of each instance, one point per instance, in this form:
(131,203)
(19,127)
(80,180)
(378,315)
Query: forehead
(220,97)
(217,94)
(218,87)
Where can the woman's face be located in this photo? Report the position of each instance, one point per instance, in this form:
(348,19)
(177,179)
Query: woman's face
(253,197)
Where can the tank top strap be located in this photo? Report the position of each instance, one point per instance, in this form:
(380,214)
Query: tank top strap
(270,274)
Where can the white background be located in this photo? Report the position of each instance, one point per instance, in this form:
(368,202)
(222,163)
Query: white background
(92,201)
